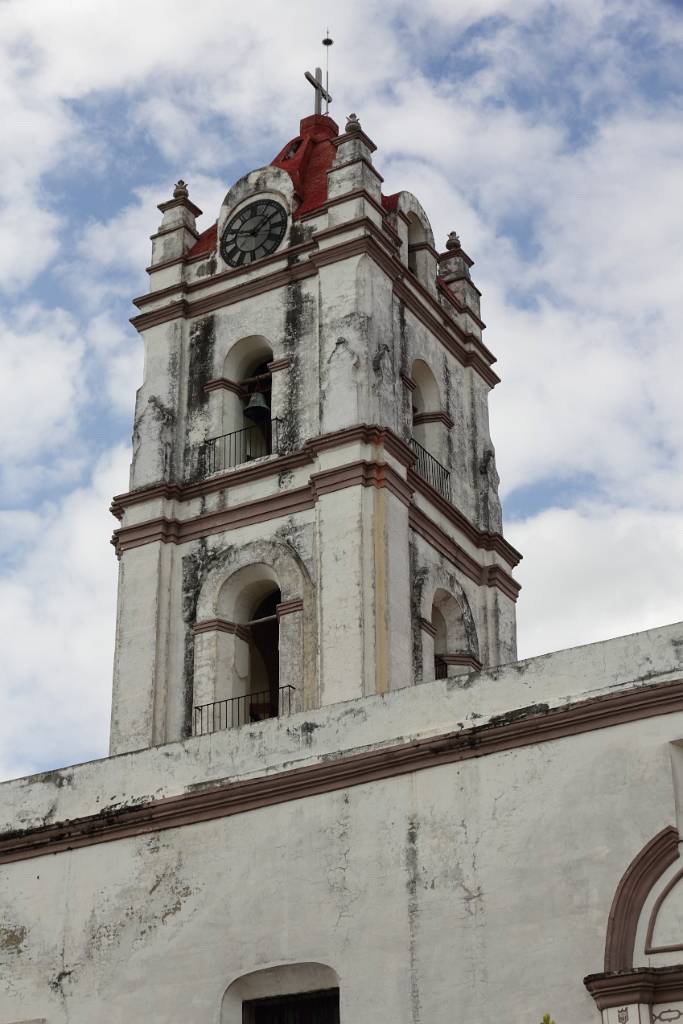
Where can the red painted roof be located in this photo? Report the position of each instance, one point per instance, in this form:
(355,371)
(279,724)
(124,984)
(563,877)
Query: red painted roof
(308,158)
(205,243)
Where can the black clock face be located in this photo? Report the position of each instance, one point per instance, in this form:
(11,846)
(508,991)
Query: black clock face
(255,231)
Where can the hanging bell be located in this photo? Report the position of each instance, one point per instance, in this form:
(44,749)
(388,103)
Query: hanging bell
(257,409)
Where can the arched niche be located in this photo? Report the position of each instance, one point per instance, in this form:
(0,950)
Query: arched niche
(453,648)
(279,980)
(445,632)
(417,239)
(249,637)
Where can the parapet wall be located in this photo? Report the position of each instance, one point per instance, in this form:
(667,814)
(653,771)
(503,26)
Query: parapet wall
(471,706)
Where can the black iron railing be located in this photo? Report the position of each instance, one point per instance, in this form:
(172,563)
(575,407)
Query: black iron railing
(431,470)
(236,711)
(238,447)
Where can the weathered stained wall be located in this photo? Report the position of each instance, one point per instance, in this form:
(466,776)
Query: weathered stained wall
(484,884)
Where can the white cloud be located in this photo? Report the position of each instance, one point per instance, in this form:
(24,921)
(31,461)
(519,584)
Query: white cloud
(584,314)
(594,572)
(40,371)
(57,606)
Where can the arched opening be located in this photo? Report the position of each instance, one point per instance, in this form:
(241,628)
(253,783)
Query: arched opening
(248,430)
(302,993)
(264,658)
(429,425)
(416,236)
(451,644)
(249,600)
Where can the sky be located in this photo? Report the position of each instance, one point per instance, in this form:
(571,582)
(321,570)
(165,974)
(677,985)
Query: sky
(549,135)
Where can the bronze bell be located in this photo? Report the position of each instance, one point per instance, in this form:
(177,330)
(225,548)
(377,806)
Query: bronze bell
(257,408)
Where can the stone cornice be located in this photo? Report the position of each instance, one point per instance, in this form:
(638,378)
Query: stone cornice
(481,539)
(359,193)
(153,530)
(513,730)
(169,530)
(172,204)
(466,348)
(647,985)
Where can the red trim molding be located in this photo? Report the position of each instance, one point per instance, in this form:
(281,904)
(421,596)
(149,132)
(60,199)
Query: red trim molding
(296,604)
(223,626)
(519,728)
(279,364)
(426,626)
(462,658)
(466,348)
(408,382)
(487,541)
(643,985)
(636,883)
(174,531)
(231,478)
(433,417)
(486,575)
(223,384)
(363,473)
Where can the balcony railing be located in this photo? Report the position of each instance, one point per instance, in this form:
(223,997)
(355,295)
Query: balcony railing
(436,475)
(238,447)
(236,711)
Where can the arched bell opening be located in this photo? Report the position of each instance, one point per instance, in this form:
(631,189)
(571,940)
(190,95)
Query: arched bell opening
(247,420)
(256,411)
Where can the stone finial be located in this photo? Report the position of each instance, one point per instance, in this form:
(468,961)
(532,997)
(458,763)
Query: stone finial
(453,242)
(181,190)
(353,124)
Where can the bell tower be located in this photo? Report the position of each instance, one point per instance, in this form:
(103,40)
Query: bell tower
(313,512)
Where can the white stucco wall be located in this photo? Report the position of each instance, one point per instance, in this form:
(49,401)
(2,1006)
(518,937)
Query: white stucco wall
(476,890)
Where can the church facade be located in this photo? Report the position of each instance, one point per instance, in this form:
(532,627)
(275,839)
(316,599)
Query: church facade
(333,794)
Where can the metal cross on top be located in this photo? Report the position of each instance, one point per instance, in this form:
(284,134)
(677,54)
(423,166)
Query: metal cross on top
(321,92)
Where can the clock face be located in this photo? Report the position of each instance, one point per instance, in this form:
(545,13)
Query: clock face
(255,231)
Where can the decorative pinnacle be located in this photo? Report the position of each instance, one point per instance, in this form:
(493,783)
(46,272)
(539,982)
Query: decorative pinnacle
(453,242)
(353,124)
(181,190)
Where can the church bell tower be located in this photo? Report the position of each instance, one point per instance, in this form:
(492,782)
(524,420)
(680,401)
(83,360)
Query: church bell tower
(313,513)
